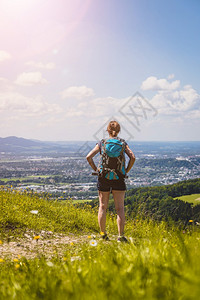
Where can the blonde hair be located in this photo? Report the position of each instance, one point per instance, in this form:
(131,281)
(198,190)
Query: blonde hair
(113,128)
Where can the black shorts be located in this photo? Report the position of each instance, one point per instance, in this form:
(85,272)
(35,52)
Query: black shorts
(106,185)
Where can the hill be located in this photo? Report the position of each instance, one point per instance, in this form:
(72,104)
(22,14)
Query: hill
(51,250)
(147,149)
(162,202)
(193,198)
(18,145)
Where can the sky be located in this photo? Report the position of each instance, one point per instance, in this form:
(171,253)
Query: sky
(68,67)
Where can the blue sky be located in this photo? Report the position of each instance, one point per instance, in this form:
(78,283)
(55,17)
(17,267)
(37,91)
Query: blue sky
(67,67)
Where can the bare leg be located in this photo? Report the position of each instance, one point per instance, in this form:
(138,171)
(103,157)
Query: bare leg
(119,206)
(103,204)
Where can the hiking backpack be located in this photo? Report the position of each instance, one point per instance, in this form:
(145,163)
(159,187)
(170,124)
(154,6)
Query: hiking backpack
(112,160)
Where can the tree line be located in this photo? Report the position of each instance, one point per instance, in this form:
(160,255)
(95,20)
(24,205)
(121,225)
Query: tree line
(158,202)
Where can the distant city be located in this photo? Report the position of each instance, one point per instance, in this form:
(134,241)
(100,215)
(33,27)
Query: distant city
(61,169)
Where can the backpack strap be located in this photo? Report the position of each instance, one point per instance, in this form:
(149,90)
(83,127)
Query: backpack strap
(101,147)
(121,158)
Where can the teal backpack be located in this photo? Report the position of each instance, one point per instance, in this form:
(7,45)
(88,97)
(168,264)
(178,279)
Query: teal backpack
(112,160)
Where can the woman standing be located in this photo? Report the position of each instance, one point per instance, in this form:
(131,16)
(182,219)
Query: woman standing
(112,176)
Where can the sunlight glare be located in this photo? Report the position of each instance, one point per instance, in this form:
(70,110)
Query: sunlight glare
(15,6)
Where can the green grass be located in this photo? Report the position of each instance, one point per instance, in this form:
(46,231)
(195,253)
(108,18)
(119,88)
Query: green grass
(194,198)
(81,201)
(25,178)
(160,262)
(16,216)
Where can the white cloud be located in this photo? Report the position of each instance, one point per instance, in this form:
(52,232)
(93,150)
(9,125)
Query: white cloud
(40,65)
(52,121)
(30,79)
(186,99)
(22,106)
(5,85)
(73,112)
(177,103)
(4,56)
(77,92)
(95,108)
(152,83)
(3,81)
(102,107)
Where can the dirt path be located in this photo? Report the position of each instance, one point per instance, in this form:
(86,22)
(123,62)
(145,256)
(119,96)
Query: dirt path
(48,244)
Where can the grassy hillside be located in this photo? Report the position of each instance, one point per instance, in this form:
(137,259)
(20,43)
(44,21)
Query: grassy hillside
(159,262)
(16,214)
(163,203)
(194,198)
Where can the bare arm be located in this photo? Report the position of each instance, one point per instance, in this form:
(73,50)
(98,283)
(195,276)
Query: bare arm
(90,156)
(131,160)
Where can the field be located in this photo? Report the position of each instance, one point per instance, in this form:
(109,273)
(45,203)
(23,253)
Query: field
(81,201)
(50,250)
(194,198)
(24,178)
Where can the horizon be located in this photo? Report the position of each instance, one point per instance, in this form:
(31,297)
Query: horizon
(68,67)
(91,141)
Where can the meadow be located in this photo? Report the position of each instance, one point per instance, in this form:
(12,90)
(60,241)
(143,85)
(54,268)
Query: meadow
(161,261)
(24,178)
(194,198)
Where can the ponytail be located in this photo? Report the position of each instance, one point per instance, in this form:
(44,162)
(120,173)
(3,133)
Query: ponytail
(113,133)
(113,128)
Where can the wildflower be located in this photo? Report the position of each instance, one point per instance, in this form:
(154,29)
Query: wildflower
(71,243)
(89,236)
(102,233)
(35,212)
(73,258)
(64,258)
(36,237)
(190,221)
(17,266)
(50,264)
(93,243)
(1,260)
(1,242)
(15,259)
